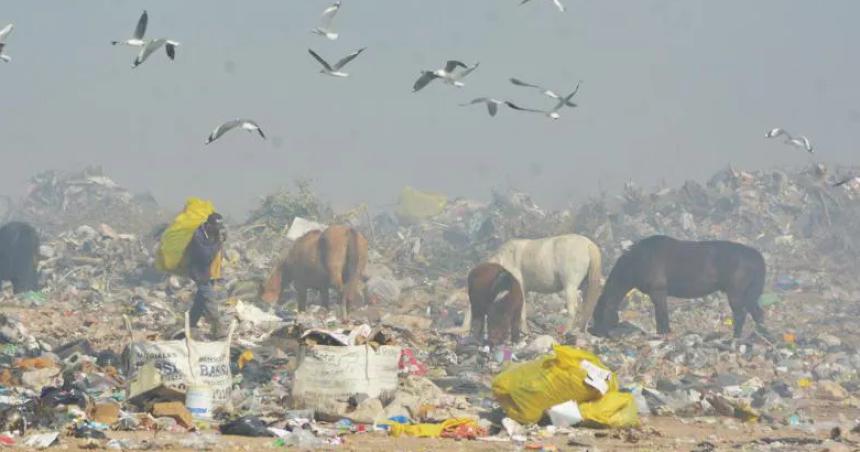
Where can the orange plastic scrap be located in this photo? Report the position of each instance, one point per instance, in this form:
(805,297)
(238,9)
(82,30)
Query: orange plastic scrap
(464,431)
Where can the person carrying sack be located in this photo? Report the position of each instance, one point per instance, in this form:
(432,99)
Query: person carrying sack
(203,257)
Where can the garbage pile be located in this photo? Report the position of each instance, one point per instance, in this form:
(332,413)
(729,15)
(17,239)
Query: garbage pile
(99,357)
(57,201)
(808,230)
(278,210)
(461,232)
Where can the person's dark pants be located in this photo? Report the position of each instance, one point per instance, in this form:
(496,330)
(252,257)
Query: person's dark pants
(205,305)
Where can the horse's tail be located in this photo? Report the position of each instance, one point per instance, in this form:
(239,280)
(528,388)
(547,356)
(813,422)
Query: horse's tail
(350,267)
(592,292)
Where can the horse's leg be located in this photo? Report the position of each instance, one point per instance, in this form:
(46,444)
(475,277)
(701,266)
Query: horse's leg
(516,325)
(571,295)
(476,319)
(524,323)
(739,312)
(324,296)
(757,313)
(661,310)
(750,301)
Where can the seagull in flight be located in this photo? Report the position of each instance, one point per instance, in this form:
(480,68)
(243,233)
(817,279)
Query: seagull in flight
(447,75)
(3,34)
(544,91)
(137,38)
(153,45)
(773,133)
(246,124)
(557,4)
(552,114)
(335,71)
(492,104)
(803,143)
(325,22)
(800,142)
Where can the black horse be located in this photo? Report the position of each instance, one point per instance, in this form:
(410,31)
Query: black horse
(19,254)
(661,266)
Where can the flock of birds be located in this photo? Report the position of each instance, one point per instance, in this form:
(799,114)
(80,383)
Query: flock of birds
(451,74)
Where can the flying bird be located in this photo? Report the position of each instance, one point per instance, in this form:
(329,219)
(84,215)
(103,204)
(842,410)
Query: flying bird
(137,38)
(447,74)
(335,71)
(803,143)
(799,142)
(246,124)
(153,45)
(553,114)
(492,104)
(773,133)
(325,22)
(544,91)
(3,34)
(557,4)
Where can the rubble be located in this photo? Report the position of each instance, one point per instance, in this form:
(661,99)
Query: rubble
(62,366)
(59,202)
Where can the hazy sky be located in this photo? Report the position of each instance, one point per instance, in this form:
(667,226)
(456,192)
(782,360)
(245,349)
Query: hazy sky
(672,89)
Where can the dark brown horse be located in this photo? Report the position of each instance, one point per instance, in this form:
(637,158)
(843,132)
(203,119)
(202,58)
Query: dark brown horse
(661,266)
(487,281)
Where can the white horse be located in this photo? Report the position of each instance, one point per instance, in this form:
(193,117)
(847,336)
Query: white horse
(555,264)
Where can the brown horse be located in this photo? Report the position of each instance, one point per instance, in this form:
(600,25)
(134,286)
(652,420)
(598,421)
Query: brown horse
(503,314)
(334,258)
(661,266)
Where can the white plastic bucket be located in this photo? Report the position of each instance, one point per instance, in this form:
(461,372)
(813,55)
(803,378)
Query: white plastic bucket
(198,400)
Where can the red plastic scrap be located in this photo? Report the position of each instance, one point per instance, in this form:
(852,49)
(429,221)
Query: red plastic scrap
(410,364)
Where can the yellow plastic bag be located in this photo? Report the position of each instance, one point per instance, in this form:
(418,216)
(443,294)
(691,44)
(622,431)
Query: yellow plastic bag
(615,410)
(526,390)
(176,238)
(416,206)
(427,430)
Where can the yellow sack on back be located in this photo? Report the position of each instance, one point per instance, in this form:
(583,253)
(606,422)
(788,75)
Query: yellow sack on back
(178,235)
(416,206)
(526,390)
(615,410)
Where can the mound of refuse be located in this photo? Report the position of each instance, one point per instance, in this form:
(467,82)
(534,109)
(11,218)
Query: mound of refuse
(59,201)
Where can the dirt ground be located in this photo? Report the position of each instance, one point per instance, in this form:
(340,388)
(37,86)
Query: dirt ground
(656,434)
(801,313)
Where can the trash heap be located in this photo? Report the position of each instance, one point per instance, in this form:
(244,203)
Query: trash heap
(100,358)
(58,201)
(461,233)
(278,210)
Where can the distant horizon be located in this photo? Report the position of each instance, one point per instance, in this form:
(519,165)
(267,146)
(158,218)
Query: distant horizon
(671,90)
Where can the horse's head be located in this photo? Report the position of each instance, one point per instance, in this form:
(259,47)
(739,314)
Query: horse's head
(605,316)
(499,317)
(277,280)
(355,293)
